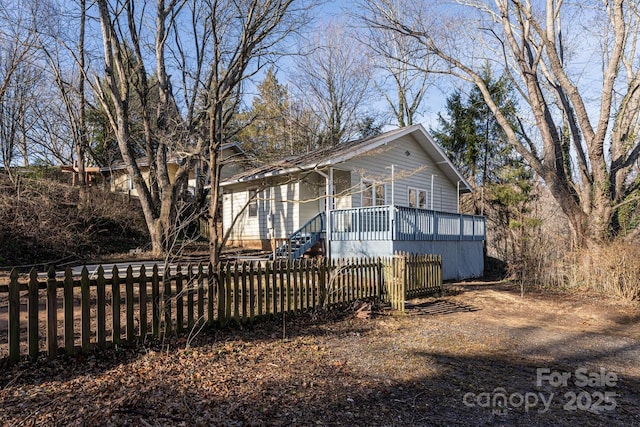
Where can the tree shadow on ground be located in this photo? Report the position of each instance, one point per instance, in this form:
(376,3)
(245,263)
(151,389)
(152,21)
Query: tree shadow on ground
(250,375)
(465,391)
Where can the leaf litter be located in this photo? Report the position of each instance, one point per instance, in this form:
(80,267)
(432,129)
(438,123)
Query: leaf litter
(345,368)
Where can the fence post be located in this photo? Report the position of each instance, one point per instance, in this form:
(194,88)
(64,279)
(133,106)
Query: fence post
(52,313)
(398,279)
(33,314)
(14,318)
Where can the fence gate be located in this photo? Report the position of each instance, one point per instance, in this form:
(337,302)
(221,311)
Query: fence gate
(412,276)
(396,281)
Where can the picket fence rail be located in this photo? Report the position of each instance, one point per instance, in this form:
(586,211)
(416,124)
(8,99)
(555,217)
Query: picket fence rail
(76,314)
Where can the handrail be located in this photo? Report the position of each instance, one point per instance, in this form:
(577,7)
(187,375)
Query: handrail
(306,236)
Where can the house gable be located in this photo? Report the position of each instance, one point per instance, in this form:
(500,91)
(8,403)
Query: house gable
(402,165)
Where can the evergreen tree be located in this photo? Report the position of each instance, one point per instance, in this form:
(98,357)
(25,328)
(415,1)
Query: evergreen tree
(503,184)
(473,140)
(266,130)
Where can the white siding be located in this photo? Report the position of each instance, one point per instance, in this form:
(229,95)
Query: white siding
(342,189)
(312,200)
(278,211)
(412,170)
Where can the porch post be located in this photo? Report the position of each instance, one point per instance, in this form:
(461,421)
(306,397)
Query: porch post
(328,209)
(328,179)
(432,176)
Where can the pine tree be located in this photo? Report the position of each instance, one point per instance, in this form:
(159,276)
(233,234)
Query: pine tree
(266,128)
(474,141)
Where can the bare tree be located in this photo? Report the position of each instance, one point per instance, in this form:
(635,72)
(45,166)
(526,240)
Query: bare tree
(333,81)
(125,70)
(583,142)
(402,86)
(213,46)
(245,37)
(17,49)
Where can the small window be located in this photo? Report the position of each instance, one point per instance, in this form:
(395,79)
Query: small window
(373,194)
(417,198)
(253,203)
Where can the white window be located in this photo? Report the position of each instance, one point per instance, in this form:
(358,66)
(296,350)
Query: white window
(373,194)
(417,198)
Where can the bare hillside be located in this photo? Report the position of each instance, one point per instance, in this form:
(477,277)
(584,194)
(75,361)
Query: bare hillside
(43,221)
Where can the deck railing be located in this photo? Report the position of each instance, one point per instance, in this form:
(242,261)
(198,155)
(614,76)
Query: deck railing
(404,223)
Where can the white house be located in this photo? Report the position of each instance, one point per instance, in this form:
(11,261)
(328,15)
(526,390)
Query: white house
(393,192)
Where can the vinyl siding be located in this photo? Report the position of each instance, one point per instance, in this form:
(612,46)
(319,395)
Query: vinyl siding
(413,170)
(277,208)
(312,197)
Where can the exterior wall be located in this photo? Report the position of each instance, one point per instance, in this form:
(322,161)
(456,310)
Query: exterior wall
(412,170)
(233,162)
(278,212)
(312,197)
(343,191)
(460,259)
(120,181)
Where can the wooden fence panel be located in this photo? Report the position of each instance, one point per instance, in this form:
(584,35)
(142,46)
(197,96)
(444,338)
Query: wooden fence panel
(142,292)
(14,318)
(179,300)
(129,304)
(101,315)
(85,311)
(52,313)
(166,301)
(201,295)
(238,291)
(191,289)
(115,305)
(68,311)
(155,302)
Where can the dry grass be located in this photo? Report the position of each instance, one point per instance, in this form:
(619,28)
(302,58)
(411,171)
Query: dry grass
(613,269)
(43,220)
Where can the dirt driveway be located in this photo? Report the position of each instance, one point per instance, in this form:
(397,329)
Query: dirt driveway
(479,356)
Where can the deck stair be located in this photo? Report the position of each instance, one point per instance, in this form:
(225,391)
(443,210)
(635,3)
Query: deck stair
(301,240)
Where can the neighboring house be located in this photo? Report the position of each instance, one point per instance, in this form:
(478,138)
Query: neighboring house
(393,192)
(234,160)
